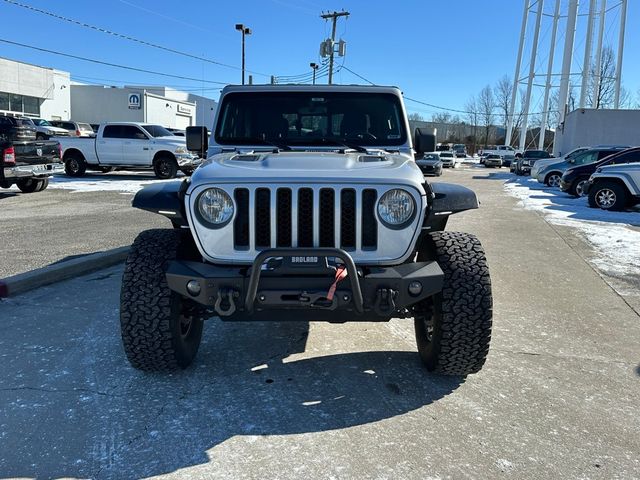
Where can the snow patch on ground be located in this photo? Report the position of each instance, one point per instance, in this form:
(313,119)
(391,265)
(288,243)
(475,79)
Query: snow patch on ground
(123,182)
(615,240)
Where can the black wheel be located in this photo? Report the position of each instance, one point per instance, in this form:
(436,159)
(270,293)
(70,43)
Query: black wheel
(608,196)
(31,185)
(553,179)
(44,183)
(74,165)
(578,189)
(160,330)
(165,167)
(453,329)
(41,136)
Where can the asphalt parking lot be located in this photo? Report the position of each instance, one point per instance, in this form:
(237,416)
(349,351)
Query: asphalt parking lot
(558,397)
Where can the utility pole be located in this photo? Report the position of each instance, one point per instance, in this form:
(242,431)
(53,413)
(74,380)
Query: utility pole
(334,18)
(314,66)
(245,31)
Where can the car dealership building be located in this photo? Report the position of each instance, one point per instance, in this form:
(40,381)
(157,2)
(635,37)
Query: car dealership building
(34,91)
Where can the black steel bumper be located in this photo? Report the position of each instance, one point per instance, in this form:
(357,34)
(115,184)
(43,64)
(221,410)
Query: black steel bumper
(274,288)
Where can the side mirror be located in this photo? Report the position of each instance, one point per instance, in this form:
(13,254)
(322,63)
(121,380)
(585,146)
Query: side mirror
(197,140)
(424,141)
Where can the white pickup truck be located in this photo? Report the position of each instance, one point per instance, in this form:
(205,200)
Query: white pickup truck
(506,152)
(129,145)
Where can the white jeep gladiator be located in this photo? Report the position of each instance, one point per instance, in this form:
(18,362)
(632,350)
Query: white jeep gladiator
(128,145)
(310,206)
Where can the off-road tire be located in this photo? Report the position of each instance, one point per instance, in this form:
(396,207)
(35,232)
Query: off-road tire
(607,190)
(74,165)
(461,315)
(31,185)
(151,315)
(165,167)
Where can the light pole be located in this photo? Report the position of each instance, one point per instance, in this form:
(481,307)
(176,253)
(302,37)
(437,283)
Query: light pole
(314,66)
(245,31)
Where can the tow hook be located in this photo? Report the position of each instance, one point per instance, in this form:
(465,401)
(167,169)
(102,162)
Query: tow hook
(225,304)
(384,303)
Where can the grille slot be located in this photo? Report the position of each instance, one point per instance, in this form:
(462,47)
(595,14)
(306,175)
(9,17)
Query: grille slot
(369,223)
(305,217)
(283,217)
(348,218)
(327,217)
(263,218)
(241,223)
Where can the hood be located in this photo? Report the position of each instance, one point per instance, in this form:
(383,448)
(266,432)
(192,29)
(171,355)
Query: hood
(172,140)
(310,167)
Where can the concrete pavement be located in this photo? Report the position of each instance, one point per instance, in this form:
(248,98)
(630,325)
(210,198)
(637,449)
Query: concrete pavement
(558,397)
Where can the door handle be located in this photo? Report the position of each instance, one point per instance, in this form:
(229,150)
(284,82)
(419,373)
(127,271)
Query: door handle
(145,148)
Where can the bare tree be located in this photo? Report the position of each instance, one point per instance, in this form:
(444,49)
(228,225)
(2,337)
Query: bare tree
(502,92)
(416,116)
(604,95)
(486,107)
(441,117)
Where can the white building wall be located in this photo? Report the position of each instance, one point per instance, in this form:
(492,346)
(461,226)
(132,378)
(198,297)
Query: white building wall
(205,107)
(98,104)
(584,127)
(49,85)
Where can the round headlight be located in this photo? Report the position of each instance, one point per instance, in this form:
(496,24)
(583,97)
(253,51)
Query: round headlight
(215,207)
(396,208)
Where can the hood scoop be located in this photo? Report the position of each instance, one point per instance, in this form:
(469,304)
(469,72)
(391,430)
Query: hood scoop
(246,157)
(371,158)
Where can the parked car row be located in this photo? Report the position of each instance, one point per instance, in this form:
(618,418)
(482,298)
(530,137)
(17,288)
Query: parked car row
(608,174)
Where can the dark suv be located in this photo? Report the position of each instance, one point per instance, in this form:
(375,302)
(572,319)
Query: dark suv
(575,180)
(16,129)
(529,158)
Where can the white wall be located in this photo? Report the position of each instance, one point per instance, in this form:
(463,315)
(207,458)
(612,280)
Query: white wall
(97,104)
(585,127)
(51,86)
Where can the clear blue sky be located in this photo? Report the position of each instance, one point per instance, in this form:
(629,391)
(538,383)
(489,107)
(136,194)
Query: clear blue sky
(439,51)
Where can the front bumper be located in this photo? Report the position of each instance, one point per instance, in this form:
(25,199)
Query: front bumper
(276,288)
(188,161)
(22,171)
(565,186)
(490,163)
(430,169)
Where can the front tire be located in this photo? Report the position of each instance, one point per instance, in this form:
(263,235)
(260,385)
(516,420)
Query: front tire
(608,196)
(453,329)
(74,165)
(578,189)
(552,180)
(165,167)
(159,330)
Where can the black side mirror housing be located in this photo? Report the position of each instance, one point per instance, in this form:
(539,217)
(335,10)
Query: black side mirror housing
(424,141)
(197,140)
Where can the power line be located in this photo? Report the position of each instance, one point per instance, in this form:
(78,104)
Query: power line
(125,37)
(115,65)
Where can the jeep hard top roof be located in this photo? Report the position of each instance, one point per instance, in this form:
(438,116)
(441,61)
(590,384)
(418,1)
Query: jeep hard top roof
(311,88)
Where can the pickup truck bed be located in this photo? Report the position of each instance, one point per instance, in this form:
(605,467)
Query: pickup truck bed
(29,164)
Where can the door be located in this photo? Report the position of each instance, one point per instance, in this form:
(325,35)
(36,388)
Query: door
(182,122)
(109,146)
(135,146)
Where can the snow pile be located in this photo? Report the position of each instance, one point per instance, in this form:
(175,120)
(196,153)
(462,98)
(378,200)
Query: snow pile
(616,241)
(123,182)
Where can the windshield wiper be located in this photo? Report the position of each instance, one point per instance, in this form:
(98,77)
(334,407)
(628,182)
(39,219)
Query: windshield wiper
(344,143)
(280,146)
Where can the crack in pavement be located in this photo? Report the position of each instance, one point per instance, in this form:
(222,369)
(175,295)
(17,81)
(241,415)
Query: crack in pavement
(564,357)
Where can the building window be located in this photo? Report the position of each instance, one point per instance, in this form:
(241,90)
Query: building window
(31,105)
(4,101)
(19,103)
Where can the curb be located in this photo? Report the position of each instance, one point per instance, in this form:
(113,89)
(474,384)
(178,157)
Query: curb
(23,282)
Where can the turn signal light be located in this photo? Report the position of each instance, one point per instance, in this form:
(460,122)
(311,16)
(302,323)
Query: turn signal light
(9,155)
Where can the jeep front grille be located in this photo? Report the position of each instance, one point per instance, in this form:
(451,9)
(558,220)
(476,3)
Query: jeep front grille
(311,215)
(306,217)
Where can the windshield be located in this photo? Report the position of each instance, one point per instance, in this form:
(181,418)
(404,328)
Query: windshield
(41,123)
(310,118)
(157,131)
(431,156)
(448,155)
(585,157)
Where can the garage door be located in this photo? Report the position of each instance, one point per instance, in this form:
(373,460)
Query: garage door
(182,122)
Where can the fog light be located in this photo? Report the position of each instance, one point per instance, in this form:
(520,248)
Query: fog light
(415,288)
(193,287)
